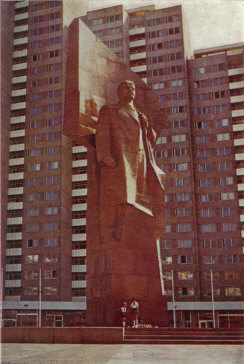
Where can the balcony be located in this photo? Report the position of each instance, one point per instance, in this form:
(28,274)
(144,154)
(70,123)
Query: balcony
(78,284)
(13,252)
(13,268)
(16,162)
(79,207)
(242,219)
(240,171)
(22,4)
(79,268)
(14,236)
(19,41)
(78,253)
(136,56)
(80,163)
(15,176)
(238,142)
(19,79)
(236,71)
(78,237)
(141,68)
(15,191)
(15,283)
(16,147)
(22,16)
(18,67)
(234,85)
(238,127)
(80,192)
(17,133)
(237,99)
(79,177)
(137,30)
(15,206)
(239,157)
(242,233)
(241,202)
(19,54)
(79,149)
(17,119)
(14,220)
(137,43)
(236,113)
(21,92)
(18,106)
(12,298)
(240,186)
(21,28)
(78,222)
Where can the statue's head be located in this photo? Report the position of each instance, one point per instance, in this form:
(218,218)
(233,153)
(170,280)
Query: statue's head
(126,91)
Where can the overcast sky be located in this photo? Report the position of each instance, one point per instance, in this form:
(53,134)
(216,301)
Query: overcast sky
(211,22)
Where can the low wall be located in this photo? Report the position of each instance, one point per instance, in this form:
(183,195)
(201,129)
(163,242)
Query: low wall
(83,335)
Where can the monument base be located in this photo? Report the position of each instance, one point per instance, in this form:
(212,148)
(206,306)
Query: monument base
(122,270)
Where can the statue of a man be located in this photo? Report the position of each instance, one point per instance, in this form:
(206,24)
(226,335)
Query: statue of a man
(128,172)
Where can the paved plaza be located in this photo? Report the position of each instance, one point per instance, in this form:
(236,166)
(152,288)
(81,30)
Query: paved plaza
(121,354)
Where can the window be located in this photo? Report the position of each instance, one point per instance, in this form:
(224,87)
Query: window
(34,153)
(33,212)
(207,275)
(167,260)
(185,259)
(52,165)
(224,181)
(185,275)
(183,212)
(179,182)
(229,243)
(52,122)
(232,291)
(52,195)
(202,139)
(206,167)
(33,197)
(31,259)
(208,291)
(182,197)
(167,275)
(51,180)
(34,167)
(168,229)
(51,226)
(50,258)
(210,228)
(51,210)
(31,291)
(180,166)
(184,243)
(179,152)
(220,108)
(178,138)
(51,242)
(227,196)
(228,211)
(183,228)
(165,244)
(31,182)
(203,183)
(201,111)
(32,243)
(158,86)
(231,259)
(161,140)
(222,137)
(179,124)
(209,260)
(186,291)
(228,227)
(208,197)
(223,151)
(161,154)
(207,244)
(52,150)
(167,198)
(176,83)
(222,122)
(202,125)
(231,276)
(34,138)
(34,124)
(32,228)
(49,274)
(31,275)
(207,213)
(50,291)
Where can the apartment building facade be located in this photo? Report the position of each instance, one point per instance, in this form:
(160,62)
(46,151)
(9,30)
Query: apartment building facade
(200,149)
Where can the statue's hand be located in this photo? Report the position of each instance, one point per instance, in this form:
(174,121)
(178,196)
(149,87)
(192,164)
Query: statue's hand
(144,121)
(109,162)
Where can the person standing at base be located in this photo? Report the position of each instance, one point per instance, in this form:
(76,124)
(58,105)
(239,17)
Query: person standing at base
(123,313)
(135,312)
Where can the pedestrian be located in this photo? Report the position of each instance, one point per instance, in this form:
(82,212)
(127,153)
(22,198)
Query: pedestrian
(134,307)
(123,313)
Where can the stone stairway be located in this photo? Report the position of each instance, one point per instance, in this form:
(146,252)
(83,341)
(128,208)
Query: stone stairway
(183,336)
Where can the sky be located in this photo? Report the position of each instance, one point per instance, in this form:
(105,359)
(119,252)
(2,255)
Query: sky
(211,23)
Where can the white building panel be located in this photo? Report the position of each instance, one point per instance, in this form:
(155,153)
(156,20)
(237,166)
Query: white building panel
(15,176)
(16,191)
(18,119)
(79,268)
(78,237)
(78,284)
(13,268)
(14,220)
(79,163)
(16,161)
(79,207)
(14,236)
(78,253)
(15,205)
(15,283)
(78,222)
(79,192)
(13,251)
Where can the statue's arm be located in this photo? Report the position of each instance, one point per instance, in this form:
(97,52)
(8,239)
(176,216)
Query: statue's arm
(103,139)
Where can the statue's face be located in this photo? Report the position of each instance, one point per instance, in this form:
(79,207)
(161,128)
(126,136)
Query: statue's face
(127,91)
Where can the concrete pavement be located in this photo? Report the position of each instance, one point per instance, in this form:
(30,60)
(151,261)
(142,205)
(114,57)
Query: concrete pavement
(121,354)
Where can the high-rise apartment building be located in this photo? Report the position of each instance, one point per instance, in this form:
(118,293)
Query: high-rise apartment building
(200,149)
